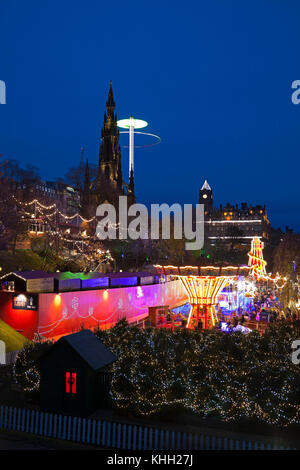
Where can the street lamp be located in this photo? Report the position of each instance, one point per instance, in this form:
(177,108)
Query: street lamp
(131,124)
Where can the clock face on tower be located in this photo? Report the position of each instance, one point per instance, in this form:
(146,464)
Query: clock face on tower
(206,196)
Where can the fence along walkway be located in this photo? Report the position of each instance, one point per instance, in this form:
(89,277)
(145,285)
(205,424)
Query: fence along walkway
(114,435)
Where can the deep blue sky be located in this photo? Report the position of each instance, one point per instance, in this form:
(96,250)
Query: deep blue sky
(213,78)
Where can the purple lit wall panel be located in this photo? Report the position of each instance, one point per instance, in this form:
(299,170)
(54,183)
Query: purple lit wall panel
(123,281)
(68,284)
(95,282)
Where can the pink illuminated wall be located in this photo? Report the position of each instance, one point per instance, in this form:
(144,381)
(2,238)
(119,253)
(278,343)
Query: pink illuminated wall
(64,313)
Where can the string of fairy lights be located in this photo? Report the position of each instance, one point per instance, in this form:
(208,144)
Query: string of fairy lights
(257,263)
(81,245)
(56,211)
(224,388)
(225,391)
(40,208)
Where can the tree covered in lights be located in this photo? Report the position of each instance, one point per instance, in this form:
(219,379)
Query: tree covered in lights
(25,369)
(232,377)
(145,376)
(286,261)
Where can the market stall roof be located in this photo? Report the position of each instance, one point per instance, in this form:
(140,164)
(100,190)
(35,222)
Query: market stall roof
(25,275)
(44,282)
(39,274)
(202,271)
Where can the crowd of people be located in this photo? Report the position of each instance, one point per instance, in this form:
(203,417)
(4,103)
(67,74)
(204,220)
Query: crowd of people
(268,308)
(265,308)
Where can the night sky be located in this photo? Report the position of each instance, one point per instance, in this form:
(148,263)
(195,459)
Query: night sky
(212,78)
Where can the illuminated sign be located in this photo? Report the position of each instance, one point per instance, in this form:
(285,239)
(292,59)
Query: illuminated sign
(24,302)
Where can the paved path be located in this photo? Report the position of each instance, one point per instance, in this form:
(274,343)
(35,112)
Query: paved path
(13,442)
(18,441)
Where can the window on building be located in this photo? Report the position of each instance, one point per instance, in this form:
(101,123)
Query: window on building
(71,382)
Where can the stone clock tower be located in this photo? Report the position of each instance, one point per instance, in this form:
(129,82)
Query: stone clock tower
(206,197)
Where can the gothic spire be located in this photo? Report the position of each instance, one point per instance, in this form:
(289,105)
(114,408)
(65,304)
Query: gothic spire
(110,103)
(110,165)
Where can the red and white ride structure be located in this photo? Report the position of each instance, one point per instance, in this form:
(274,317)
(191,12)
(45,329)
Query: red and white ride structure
(203,285)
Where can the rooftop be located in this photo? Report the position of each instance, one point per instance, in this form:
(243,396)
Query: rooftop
(89,348)
(69,275)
